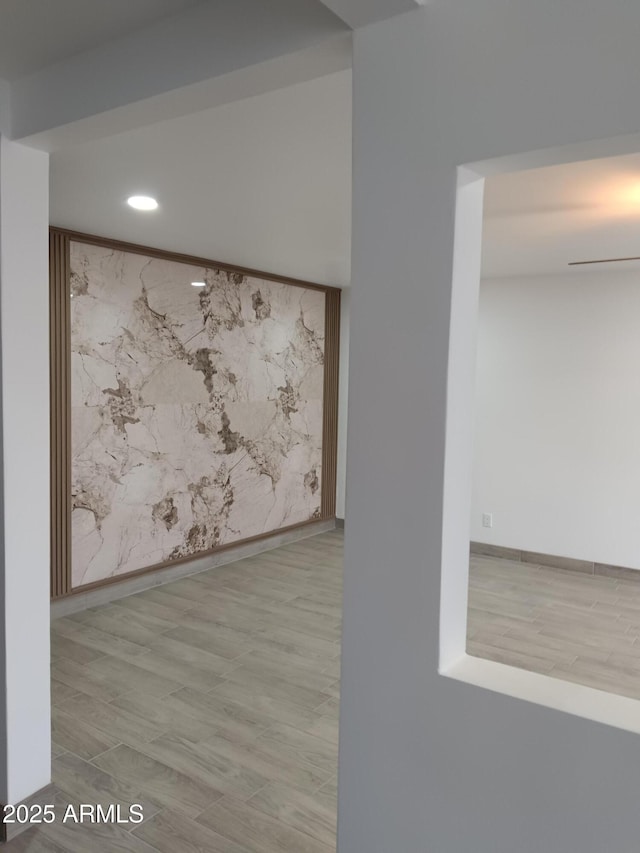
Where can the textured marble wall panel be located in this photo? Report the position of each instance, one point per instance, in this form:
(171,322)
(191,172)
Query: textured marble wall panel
(196,412)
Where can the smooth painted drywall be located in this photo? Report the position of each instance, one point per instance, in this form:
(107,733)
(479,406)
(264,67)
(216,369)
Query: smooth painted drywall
(428,764)
(24,329)
(5,108)
(357,13)
(557,423)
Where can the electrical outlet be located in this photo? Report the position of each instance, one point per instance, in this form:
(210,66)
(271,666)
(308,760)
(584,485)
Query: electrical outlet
(487,519)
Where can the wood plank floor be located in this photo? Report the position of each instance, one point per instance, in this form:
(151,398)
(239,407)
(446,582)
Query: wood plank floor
(568,625)
(213,701)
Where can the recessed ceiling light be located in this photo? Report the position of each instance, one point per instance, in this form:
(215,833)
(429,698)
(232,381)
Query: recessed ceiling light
(142,202)
(198,284)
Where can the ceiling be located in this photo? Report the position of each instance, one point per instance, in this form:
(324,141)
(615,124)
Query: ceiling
(263,182)
(538,220)
(37,33)
(358,13)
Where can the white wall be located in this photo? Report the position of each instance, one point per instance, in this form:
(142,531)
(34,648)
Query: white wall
(557,420)
(429,764)
(5,107)
(24,328)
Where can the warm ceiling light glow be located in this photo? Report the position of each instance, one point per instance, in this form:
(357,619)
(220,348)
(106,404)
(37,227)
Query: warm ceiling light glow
(142,202)
(618,197)
(631,194)
(198,284)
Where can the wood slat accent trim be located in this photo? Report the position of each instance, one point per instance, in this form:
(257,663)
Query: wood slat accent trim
(60,398)
(330,404)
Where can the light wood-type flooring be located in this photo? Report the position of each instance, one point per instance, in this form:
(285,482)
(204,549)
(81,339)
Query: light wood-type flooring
(213,701)
(565,624)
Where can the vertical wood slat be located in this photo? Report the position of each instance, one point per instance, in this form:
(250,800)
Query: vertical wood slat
(66,415)
(330,403)
(60,402)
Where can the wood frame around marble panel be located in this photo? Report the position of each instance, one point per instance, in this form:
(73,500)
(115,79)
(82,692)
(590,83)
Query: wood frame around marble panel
(60,412)
(60,392)
(330,410)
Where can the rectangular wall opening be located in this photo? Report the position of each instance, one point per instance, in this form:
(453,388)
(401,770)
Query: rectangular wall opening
(543,414)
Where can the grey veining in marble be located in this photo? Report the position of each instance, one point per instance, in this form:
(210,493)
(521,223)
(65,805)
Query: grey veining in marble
(196,412)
